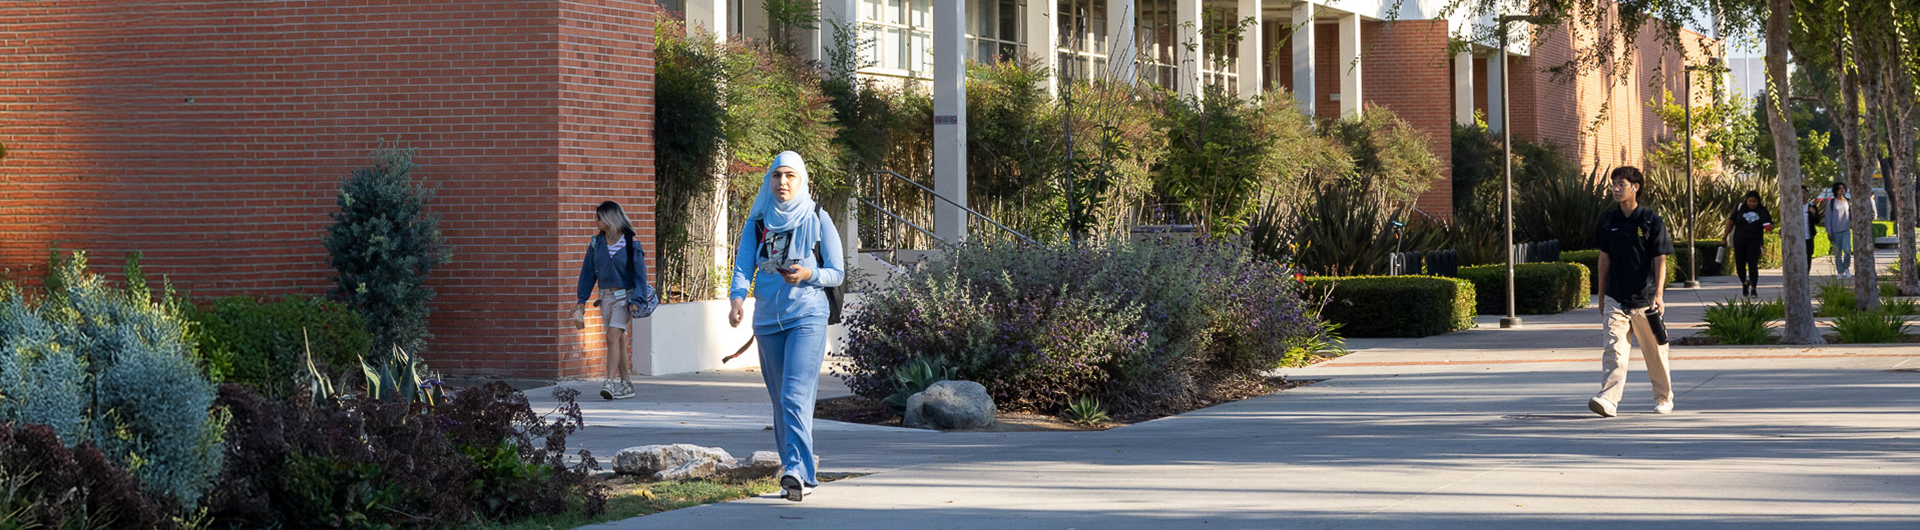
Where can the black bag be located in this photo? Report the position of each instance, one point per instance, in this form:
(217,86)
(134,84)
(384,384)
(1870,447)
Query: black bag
(833,293)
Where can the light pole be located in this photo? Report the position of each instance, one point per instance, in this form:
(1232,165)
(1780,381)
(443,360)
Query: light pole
(1506,155)
(1693,217)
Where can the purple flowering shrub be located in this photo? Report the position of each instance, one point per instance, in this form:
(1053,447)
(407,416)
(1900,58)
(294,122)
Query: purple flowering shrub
(1145,327)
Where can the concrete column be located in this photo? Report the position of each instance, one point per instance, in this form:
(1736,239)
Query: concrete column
(1496,99)
(1121,46)
(844,13)
(709,14)
(950,118)
(1252,63)
(1302,40)
(1463,88)
(1350,67)
(1042,37)
(1187,16)
(722,237)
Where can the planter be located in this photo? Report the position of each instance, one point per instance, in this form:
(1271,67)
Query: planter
(693,337)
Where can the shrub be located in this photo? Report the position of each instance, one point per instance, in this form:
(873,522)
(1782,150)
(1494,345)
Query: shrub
(143,399)
(482,455)
(1742,321)
(44,484)
(1866,327)
(1397,306)
(264,345)
(1900,306)
(384,242)
(1562,206)
(1539,288)
(1145,327)
(1835,298)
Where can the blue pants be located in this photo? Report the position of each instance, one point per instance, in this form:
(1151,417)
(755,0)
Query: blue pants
(1842,251)
(790,364)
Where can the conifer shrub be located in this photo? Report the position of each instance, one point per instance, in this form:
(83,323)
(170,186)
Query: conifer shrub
(113,368)
(384,242)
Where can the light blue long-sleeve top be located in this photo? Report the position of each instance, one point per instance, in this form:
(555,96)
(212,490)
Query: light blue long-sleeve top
(777,305)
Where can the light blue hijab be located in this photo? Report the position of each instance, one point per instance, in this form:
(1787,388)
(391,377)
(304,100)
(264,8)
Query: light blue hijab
(798,215)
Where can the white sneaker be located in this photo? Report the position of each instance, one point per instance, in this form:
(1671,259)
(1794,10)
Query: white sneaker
(606,390)
(625,391)
(1662,407)
(1601,406)
(792,489)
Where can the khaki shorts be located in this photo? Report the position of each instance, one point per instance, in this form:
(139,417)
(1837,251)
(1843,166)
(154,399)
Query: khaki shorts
(613,308)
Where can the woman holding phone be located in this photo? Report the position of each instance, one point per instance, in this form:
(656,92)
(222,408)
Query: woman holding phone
(789,253)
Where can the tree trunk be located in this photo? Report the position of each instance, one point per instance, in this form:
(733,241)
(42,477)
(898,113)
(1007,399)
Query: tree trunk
(1897,108)
(1786,144)
(1866,289)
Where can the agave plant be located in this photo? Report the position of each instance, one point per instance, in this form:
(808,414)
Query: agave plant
(1086,410)
(913,378)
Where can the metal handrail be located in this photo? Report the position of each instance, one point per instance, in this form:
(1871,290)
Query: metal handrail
(963,207)
(904,221)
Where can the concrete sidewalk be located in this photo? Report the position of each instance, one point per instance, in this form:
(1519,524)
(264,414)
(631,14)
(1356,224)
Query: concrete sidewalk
(1483,428)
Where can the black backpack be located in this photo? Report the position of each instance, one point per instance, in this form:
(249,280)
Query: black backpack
(833,293)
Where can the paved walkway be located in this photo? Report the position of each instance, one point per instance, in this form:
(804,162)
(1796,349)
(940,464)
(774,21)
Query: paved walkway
(1475,429)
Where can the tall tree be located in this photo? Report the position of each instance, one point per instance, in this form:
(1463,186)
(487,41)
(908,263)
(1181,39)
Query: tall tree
(1614,28)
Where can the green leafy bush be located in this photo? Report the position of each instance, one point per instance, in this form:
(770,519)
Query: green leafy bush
(1397,306)
(1539,288)
(143,397)
(384,242)
(1146,327)
(263,345)
(1741,321)
(1900,306)
(1835,299)
(1868,327)
(1708,267)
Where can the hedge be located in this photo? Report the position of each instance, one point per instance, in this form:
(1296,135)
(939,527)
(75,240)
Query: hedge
(1539,288)
(1397,306)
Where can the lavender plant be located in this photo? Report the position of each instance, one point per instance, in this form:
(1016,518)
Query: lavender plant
(1145,327)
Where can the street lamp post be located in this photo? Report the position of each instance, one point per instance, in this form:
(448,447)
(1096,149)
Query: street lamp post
(1693,216)
(1506,156)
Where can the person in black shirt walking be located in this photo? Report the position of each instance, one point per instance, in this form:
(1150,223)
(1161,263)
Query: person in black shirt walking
(1633,245)
(1746,233)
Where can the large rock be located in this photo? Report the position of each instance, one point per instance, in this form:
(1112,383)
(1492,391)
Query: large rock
(648,460)
(691,470)
(949,405)
(763,464)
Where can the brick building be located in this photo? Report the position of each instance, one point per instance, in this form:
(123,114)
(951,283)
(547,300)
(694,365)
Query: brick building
(211,136)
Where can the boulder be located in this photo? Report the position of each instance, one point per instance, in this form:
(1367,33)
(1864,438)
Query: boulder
(949,405)
(763,464)
(690,470)
(648,460)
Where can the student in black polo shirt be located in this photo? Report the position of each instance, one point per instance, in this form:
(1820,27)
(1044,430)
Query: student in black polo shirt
(1633,247)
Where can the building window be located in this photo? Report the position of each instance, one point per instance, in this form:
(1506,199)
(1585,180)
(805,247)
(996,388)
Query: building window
(1159,40)
(1082,50)
(901,32)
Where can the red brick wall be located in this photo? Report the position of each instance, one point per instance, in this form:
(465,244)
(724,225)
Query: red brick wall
(211,135)
(1601,115)
(1406,70)
(1327,69)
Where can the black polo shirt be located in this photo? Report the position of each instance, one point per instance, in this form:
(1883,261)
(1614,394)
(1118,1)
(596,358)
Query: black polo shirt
(1631,242)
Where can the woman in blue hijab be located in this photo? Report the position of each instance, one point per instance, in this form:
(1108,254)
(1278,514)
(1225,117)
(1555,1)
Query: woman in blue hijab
(789,254)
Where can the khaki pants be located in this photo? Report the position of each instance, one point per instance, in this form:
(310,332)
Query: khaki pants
(1613,365)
